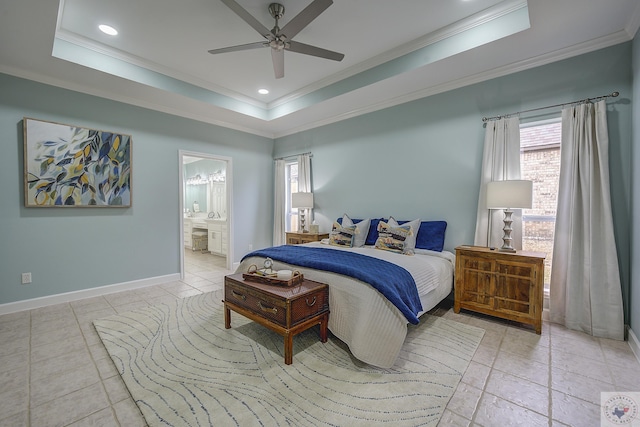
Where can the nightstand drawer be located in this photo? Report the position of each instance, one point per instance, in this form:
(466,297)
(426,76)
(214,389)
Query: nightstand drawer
(477,264)
(293,238)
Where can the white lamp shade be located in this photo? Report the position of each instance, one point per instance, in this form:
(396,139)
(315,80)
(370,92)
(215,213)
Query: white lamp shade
(302,200)
(516,194)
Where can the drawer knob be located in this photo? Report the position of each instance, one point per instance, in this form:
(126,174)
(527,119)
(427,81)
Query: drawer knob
(273,310)
(312,303)
(238,295)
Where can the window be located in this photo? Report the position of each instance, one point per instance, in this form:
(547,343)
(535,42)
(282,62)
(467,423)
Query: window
(540,163)
(291,186)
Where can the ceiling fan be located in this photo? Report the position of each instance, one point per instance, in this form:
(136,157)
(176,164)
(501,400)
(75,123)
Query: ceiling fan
(279,39)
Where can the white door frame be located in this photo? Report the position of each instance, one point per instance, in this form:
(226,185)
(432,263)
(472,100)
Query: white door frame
(229,192)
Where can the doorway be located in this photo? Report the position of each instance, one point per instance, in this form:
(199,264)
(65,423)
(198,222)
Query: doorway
(205,195)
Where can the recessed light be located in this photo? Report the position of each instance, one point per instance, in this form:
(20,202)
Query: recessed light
(108,29)
(263,91)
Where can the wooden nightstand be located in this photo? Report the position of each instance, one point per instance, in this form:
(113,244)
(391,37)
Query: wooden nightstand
(294,238)
(502,284)
(285,310)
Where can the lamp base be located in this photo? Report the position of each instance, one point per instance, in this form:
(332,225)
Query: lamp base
(506,239)
(302,229)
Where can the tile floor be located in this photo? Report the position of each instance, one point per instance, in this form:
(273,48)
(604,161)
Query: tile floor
(54,370)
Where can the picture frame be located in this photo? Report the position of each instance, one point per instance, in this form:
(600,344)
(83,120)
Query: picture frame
(73,166)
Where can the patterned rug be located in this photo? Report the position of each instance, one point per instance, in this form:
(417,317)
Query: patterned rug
(183,368)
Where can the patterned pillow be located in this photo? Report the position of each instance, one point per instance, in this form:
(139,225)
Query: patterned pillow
(372,235)
(392,238)
(362,229)
(342,236)
(410,243)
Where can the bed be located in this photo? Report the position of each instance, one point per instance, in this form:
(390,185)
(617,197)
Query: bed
(371,325)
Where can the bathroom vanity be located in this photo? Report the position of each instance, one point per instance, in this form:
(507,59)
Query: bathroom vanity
(217,235)
(216,230)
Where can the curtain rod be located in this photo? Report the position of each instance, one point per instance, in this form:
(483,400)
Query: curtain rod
(294,155)
(611,95)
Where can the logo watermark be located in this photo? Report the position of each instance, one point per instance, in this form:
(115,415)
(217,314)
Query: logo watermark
(620,408)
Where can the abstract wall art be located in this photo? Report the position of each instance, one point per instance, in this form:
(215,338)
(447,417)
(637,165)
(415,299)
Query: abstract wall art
(71,166)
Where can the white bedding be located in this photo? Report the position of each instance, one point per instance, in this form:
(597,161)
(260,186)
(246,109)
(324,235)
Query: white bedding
(372,327)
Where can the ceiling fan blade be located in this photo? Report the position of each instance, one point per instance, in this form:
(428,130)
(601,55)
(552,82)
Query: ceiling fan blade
(305,17)
(240,47)
(248,18)
(314,51)
(277,56)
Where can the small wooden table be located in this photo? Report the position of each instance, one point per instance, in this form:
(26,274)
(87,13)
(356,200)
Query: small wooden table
(294,238)
(502,284)
(285,310)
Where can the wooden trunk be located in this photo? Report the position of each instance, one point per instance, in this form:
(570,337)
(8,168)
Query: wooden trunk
(285,310)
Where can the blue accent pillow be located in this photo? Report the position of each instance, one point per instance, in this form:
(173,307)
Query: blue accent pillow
(372,236)
(431,235)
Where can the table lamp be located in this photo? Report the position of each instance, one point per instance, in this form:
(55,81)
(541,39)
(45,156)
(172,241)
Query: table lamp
(508,195)
(302,201)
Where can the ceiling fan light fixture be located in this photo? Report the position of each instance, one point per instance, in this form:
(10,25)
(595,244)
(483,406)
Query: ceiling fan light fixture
(108,29)
(278,44)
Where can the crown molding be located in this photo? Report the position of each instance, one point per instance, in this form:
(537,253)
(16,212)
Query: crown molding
(81,42)
(558,55)
(90,90)
(634,22)
(468,23)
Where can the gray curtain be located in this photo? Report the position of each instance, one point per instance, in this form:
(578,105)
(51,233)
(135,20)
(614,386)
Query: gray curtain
(500,161)
(304,180)
(279,204)
(585,280)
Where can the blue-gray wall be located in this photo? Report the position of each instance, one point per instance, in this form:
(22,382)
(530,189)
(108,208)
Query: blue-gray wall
(634,300)
(423,159)
(70,249)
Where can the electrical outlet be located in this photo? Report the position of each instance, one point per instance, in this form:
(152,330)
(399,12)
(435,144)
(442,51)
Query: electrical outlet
(26,278)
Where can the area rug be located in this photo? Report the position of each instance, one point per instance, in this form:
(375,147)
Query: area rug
(183,368)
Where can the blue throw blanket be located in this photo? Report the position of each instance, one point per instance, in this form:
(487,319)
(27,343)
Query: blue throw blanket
(391,280)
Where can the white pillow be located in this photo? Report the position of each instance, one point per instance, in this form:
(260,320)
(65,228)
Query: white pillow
(362,230)
(410,242)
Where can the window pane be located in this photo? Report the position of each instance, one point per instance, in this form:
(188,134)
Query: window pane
(540,163)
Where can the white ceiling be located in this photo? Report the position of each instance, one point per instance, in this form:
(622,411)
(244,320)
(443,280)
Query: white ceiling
(394,52)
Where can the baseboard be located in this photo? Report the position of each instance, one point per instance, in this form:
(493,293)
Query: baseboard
(634,343)
(30,304)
